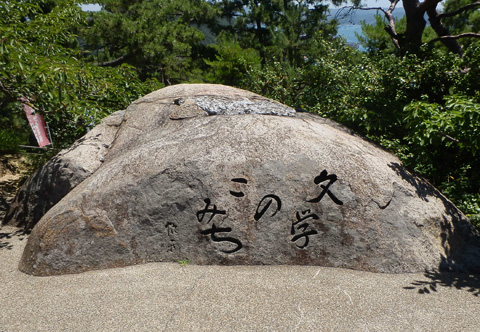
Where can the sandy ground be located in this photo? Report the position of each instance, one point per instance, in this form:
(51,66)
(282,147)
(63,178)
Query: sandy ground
(175,297)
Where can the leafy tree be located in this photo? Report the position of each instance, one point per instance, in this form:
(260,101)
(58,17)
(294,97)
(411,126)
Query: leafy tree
(297,28)
(161,38)
(281,29)
(13,129)
(40,60)
(374,38)
(231,61)
(445,140)
(323,84)
(466,19)
(415,12)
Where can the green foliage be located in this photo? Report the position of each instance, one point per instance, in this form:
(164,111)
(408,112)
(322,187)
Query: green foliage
(374,38)
(384,84)
(39,60)
(281,30)
(277,80)
(231,61)
(453,124)
(467,21)
(469,79)
(462,189)
(10,140)
(184,262)
(13,128)
(445,142)
(317,85)
(161,38)
(296,28)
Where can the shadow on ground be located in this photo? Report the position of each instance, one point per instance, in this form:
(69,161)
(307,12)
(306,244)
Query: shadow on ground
(460,239)
(5,237)
(460,281)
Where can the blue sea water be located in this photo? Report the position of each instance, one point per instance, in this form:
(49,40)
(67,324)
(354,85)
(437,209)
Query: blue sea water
(350,25)
(348,31)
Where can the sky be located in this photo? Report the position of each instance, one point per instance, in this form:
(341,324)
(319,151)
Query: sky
(90,8)
(377,3)
(374,3)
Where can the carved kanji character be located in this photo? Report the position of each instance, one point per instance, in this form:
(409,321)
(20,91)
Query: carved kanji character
(324,176)
(300,224)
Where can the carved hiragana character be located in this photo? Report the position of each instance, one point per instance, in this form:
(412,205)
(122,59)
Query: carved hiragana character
(238,193)
(265,205)
(212,231)
(214,211)
(324,176)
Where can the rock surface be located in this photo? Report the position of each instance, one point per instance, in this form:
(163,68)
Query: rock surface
(199,172)
(61,174)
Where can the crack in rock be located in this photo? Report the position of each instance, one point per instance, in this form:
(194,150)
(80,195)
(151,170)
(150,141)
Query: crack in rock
(383,207)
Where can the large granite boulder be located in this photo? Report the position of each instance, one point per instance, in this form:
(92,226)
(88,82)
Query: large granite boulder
(219,175)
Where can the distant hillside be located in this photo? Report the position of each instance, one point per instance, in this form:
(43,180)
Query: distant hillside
(356,16)
(349,22)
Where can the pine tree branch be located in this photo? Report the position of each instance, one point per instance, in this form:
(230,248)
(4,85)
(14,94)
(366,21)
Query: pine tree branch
(462,35)
(390,28)
(8,92)
(460,10)
(428,5)
(114,62)
(391,23)
(442,31)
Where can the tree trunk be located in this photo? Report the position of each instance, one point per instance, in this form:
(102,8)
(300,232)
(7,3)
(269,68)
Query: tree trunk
(442,30)
(415,25)
(415,13)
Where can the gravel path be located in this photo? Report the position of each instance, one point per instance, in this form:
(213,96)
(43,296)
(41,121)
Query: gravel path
(172,297)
